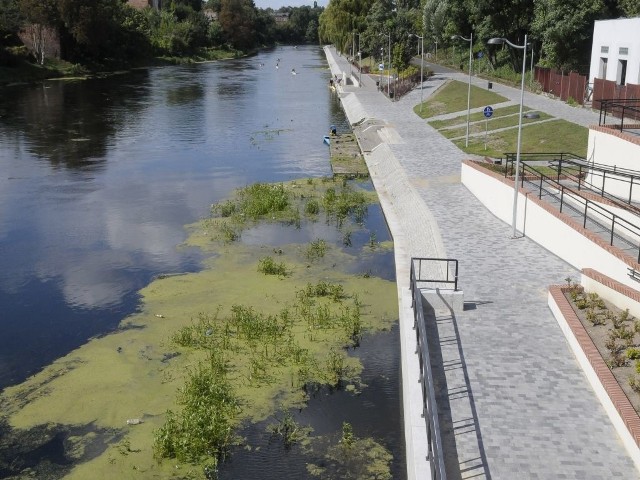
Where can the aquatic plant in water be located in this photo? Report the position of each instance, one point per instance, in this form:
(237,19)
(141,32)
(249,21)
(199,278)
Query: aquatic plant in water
(203,428)
(269,266)
(261,348)
(288,430)
(284,202)
(353,458)
(316,249)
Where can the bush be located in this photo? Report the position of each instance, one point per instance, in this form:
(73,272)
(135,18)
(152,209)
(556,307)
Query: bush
(312,207)
(269,267)
(633,353)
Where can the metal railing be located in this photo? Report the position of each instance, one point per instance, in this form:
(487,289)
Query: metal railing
(619,108)
(594,217)
(435,453)
(586,175)
(450,272)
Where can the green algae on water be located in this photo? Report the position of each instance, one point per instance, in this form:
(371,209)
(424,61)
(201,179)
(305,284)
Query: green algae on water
(275,337)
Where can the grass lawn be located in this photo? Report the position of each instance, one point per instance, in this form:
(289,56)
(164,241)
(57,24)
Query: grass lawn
(476,117)
(492,124)
(554,136)
(452,97)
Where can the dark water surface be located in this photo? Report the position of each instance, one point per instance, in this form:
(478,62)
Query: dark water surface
(99,177)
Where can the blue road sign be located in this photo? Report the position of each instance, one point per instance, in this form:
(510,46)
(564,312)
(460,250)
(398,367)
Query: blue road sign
(488,111)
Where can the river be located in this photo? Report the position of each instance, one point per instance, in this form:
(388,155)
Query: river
(99,178)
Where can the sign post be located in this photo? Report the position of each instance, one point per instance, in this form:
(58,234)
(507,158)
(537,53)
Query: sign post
(488,111)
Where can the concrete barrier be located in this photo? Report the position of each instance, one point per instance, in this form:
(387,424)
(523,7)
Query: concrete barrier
(577,246)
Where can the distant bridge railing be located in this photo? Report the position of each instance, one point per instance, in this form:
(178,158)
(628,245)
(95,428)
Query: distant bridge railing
(435,455)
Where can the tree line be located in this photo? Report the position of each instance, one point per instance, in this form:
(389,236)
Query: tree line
(100,32)
(560,29)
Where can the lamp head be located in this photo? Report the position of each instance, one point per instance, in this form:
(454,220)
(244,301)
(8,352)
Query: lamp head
(453,37)
(495,41)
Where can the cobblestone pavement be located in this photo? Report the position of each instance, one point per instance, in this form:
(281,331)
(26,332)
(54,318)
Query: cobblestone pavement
(513,400)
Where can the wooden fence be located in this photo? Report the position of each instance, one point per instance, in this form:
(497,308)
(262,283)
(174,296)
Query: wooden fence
(610,90)
(561,84)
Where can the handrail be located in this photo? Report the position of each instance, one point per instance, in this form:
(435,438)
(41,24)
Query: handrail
(435,453)
(572,167)
(621,107)
(451,274)
(616,226)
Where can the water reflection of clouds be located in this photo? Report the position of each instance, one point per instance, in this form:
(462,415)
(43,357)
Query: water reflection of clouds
(113,231)
(90,285)
(277,234)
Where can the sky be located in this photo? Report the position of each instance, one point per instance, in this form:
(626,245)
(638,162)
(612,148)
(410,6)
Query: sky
(276,4)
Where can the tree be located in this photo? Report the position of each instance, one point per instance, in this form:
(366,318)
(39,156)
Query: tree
(630,8)
(340,19)
(39,17)
(434,19)
(566,29)
(379,20)
(311,35)
(93,25)
(10,20)
(237,18)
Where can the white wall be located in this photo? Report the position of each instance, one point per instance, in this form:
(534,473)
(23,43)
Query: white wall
(609,149)
(543,227)
(623,32)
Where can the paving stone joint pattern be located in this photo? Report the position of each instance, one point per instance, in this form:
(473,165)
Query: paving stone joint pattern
(517,403)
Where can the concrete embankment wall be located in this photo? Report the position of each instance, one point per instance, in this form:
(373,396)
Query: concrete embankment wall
(406,215)
(577,246)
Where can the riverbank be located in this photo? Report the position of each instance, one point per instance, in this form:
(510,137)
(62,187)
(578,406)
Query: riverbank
(510,394)
(281,320)
(24,70)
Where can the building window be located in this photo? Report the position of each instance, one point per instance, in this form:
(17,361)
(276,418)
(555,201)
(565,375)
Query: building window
(623,51)
(622,72)
(604,49)
(603,67)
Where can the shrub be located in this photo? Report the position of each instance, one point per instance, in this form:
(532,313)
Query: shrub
(616,359)
(269,266)
(594,318)
(312,207)
(633,353)
(316,249)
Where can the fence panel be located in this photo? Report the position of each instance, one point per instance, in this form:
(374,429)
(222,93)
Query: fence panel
(577,87)
(609,90)
(542,76)
(555,83)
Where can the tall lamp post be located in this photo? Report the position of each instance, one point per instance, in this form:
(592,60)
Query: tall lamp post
(470,40)
(359,62)
(389,70)
(353,52)
(501,41)
(421,63)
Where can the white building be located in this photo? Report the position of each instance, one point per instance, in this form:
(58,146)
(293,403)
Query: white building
(615,52)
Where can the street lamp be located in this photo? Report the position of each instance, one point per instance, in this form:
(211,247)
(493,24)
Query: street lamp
(389,70)
(353,53)
(359,60)
(470,40)
(501,41)
(421,63)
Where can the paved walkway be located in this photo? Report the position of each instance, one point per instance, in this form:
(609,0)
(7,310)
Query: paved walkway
(513,400)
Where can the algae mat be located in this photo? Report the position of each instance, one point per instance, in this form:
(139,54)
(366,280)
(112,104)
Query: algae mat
(99,409)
